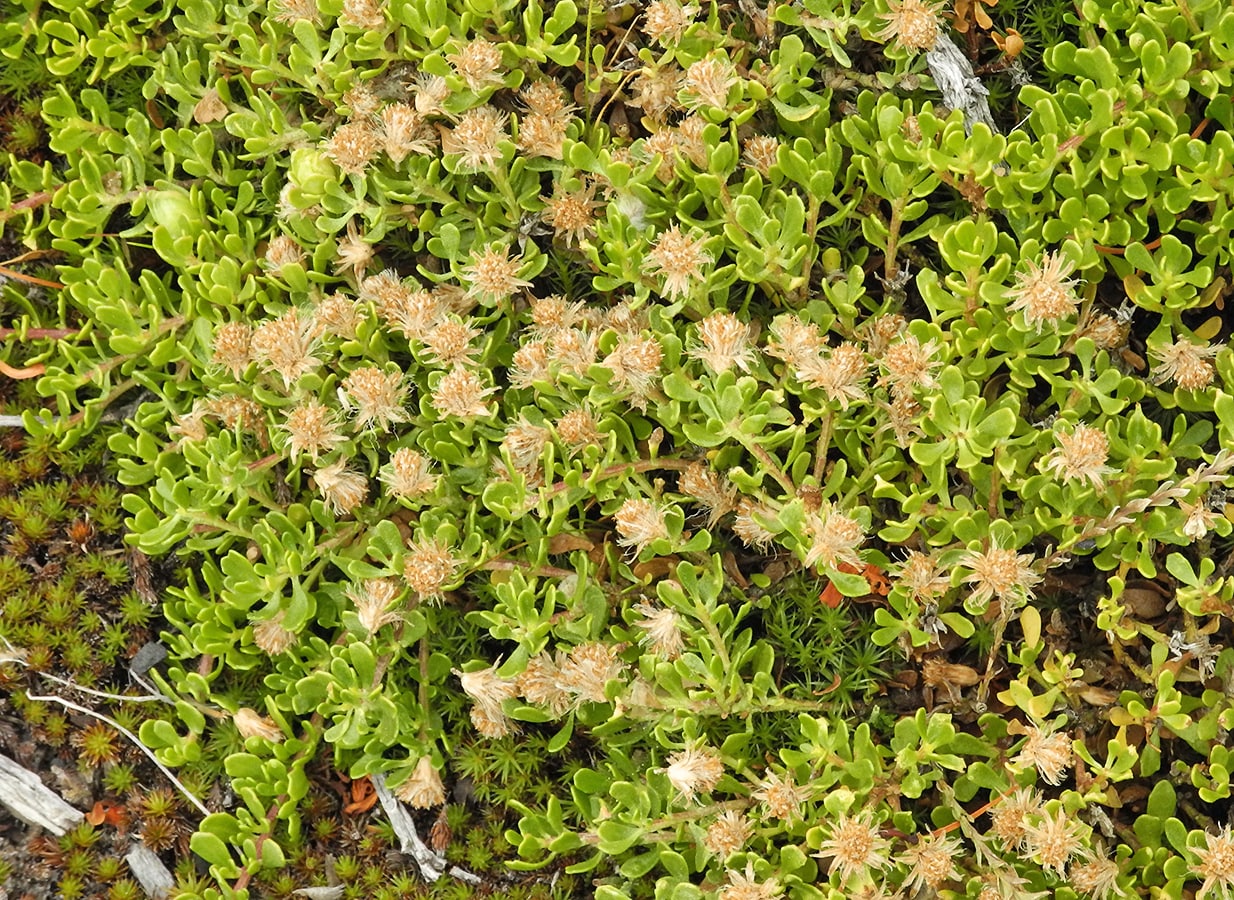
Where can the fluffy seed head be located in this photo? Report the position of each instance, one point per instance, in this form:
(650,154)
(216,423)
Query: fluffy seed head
(780,797)
(1009,818)
(834,539)
(336,316)
(910,364)
(665,21)
(577,429)
(1049,753)
(760,153)
(727,834)
(1000,573)
(403,132)
(478,63)
(530,364)
(794,341)
(1098,879)
(748,523)
(571,214)
(1055,840)
(250,723)
(661,630)
(716,494)
(283,251)
(373,599)
(709,81)
(284,346)
(541,135)
(931,861)
(539,684)
(1216,864)
(587,669)
(270,635)
(841,375)
(232,348)
(493,275)
(635,364)
(476,137)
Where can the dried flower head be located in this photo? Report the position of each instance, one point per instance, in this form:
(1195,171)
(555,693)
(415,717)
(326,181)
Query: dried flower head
(365,14)
(680,259)
(713,491)
(655,91)
(841,375)
(340,487)
(635,364)
(292,11)
(403,132)
(449,342)
(539,684)
(524,441)
(1049,752)
(1103,330)
(1200,519)
(423,789)
(430,92)
(746,886)
(727,834)
(1010,817)
(794,341)
(834,539)
(489,690)
(913,24)
(530,365)
(748,523)
(493,275)
(639,522)
(1044,292)
(1080,456)
(780,797)
(1216,864)
(546,97)
(661,630)
(376,396)
(1055,840)
(931,861)
(910,365)
(478,63)
(283,251)
(1000,573)
(663,144)
(232,348)
(373,600)
(666,21)
(586,670)
(693,771)
(461,393)
(353,146)
(692,143)
(577,429)
(285,346)
(312,430)
(1098,878)
(725,343)
(571,214)
(855,847)
(270,635)
(760,153)
(428,567)
(250,723)
(476,137)
(708,82)
(335,316)
(236,412)
(408,474)
(573,351)
(541,135)
(1185,363)
(922,578)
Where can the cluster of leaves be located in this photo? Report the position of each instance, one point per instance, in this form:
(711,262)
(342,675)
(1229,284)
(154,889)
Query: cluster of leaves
(548,359)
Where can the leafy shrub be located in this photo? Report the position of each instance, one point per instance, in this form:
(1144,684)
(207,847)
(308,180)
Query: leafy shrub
(552,357)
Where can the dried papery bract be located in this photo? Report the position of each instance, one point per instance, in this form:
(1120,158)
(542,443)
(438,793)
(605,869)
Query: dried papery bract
(760,152)
(834,538)
(571,214)
(353,146)
(252,724)
(707,82)
(270,635)
(460,393)
(717,495)
(1010,817)
(1097,879)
